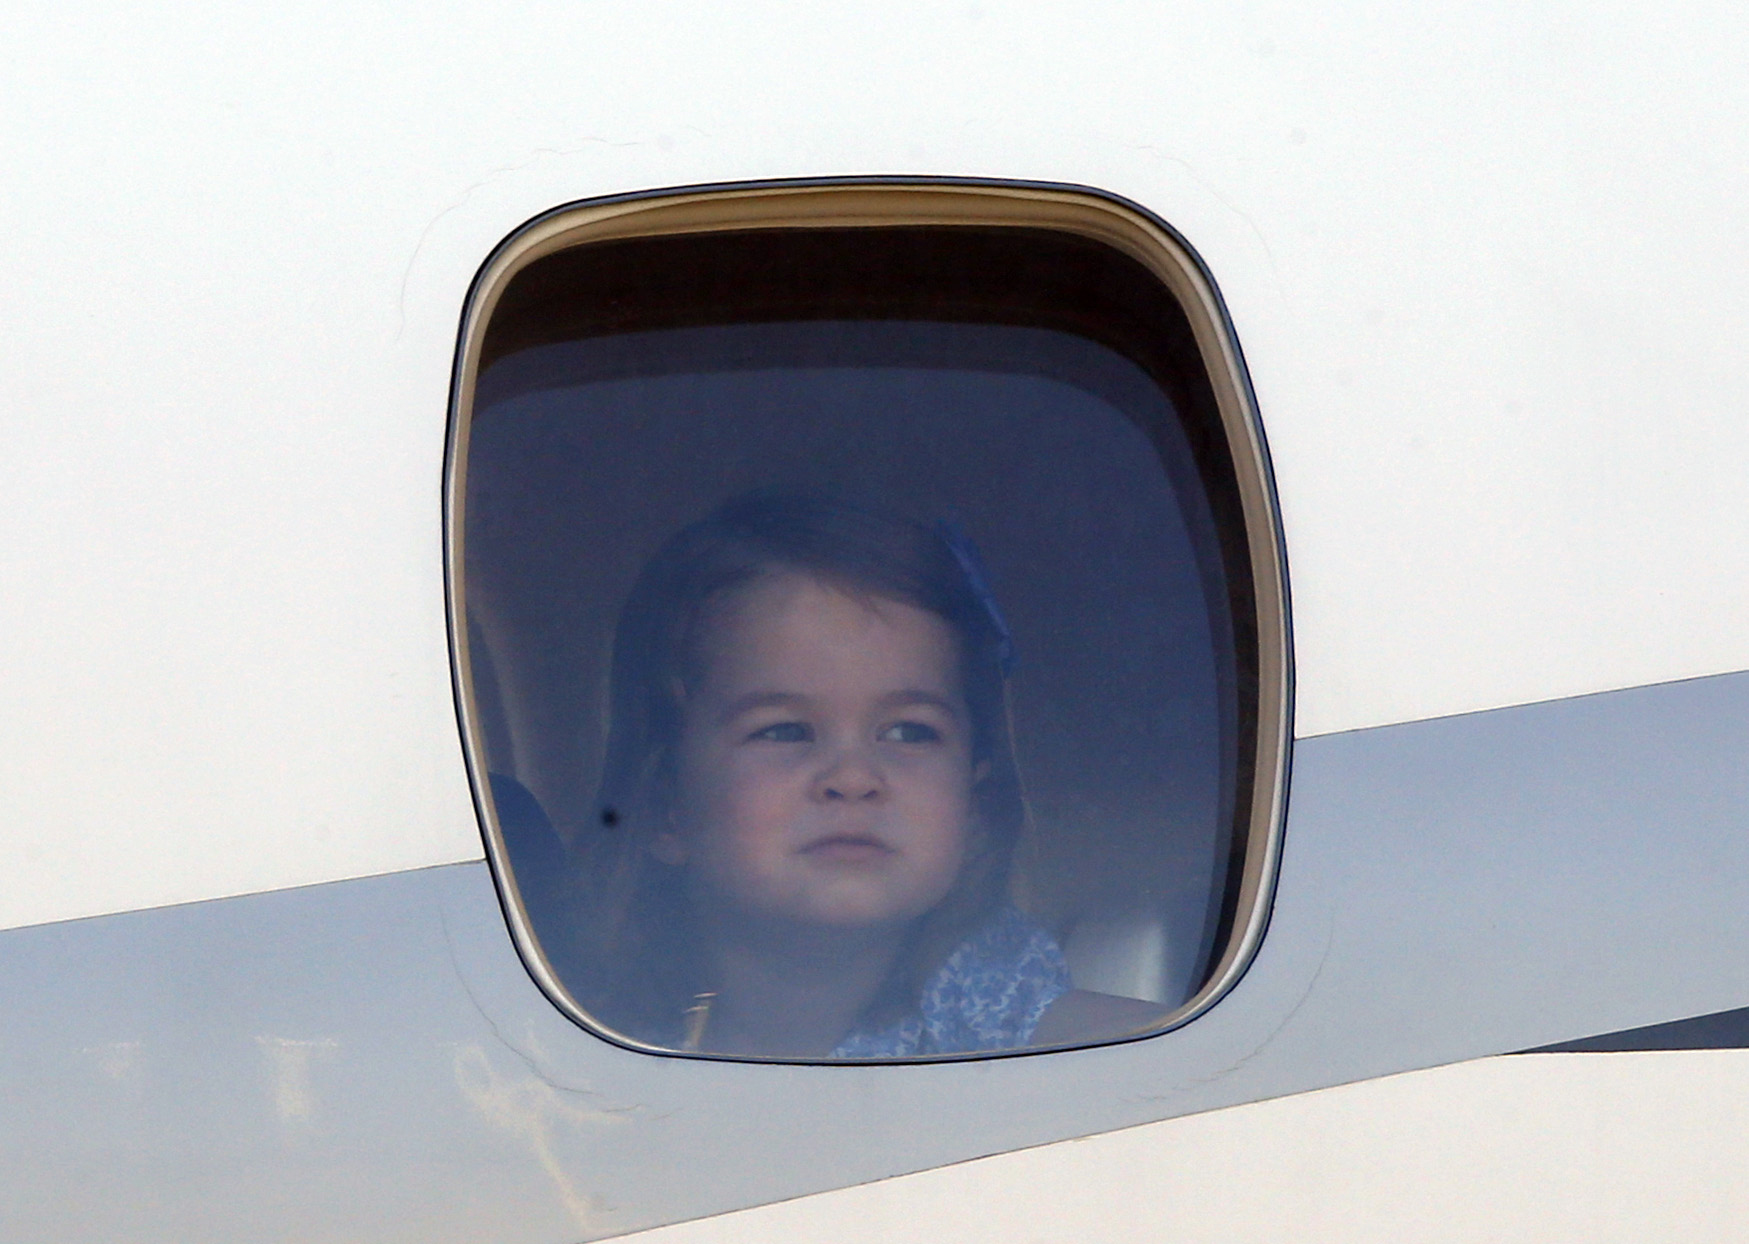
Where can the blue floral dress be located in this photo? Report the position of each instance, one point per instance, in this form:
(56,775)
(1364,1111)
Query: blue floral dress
(989,994)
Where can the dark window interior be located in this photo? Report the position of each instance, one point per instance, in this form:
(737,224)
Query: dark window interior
(1041,389)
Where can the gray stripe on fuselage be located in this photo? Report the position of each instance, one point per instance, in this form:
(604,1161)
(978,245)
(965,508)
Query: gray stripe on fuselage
(368,1059)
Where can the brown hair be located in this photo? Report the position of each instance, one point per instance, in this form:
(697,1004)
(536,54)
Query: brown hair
(633,929)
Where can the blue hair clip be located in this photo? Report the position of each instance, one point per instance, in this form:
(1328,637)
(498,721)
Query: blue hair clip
(966,554)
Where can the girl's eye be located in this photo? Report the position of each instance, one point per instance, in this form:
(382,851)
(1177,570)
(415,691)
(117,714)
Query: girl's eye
(784,732)
(910,732)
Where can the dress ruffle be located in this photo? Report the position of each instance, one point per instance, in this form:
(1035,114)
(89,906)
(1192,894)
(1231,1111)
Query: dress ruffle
(989,994)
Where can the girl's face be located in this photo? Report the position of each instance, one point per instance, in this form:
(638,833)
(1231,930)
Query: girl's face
(825,772)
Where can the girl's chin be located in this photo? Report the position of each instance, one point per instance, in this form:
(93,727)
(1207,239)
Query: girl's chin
(884,918)
(847,917)
(845,906)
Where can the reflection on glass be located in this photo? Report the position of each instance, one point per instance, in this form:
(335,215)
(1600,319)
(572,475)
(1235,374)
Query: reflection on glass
(804,777)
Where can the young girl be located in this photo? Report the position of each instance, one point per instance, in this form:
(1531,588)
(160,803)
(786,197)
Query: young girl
(810,805)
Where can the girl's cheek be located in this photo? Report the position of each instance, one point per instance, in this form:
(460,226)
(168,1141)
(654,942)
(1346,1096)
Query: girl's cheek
(757,766)
(948,771)
(758,787)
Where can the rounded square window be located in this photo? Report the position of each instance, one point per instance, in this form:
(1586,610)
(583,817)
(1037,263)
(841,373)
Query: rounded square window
(869,620)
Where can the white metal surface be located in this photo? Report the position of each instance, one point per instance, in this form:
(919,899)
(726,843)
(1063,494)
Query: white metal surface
(1585,1147)
(1487,267)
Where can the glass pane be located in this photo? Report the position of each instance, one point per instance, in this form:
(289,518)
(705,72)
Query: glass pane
(919,735)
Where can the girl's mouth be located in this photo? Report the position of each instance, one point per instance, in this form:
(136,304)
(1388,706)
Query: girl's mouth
(848,849)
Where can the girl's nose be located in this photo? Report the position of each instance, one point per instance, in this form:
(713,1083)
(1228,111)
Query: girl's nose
(852,777)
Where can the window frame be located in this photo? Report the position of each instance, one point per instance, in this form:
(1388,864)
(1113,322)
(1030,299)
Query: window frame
(853,203)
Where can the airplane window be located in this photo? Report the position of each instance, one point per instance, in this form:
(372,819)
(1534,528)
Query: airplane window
(862,647)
